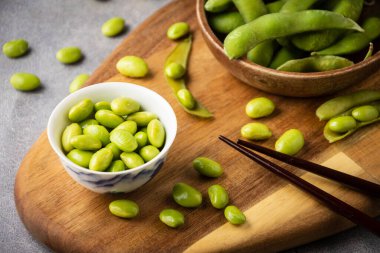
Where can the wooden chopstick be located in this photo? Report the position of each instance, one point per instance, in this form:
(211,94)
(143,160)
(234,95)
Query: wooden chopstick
(365,186)
(336,205)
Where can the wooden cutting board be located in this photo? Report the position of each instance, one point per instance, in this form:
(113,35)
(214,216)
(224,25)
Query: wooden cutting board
(67,217)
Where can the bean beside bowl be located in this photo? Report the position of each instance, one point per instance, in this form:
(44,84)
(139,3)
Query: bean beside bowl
(277,81)
(126,180)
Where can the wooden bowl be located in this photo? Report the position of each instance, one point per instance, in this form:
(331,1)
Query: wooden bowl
(286,83)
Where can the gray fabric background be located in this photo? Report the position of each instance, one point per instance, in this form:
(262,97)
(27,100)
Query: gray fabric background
(49,25)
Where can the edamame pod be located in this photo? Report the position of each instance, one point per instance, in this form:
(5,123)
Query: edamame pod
(297,5)
(275,25)
(250,9)
(224,23)
(316,64)
(285,54)
(276,6)
(217,5)
(262,53)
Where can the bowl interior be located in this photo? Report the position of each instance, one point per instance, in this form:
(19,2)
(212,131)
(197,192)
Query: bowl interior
(149,100)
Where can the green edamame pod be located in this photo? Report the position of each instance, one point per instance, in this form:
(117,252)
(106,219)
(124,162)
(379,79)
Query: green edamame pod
(180,55)
(217,5)
(297,5)
(285,54)
(276,6)
(315,64)
(262,54)
(276,25)
(354,42)
(339,105)
(225,23)
(250,9)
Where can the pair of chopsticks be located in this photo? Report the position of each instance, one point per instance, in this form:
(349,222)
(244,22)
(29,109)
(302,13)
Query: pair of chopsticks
(335,204)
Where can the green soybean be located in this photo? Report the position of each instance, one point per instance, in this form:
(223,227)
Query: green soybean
(297,5)
(156,133)
(141,138)
(85,142)
(365,113)
(88,122)
(108,118)
(101,160)
(342,124)
(25,81)
(186,98)
(250,9)
(290,142)
(217,5)
(69,55)
(234,215)
(262,54)
(259,107)
(15,48)
(175,70)
(123,106)
(225,23)
(131,159)
(99,132)
(113,26)
(276,25)
(115,150)
(178,30)
(207,167)
(142,118)
(285,54)
(186,196)
(71,130)
(116,166)
(256,131)
(78,82)
(172,218)
(340,104)
(132,66)
(124,140)
(81,110)
(103,105)
(276,6)
(218,196)
(80,157)
(128,125)
(124,208)
(149,152)
(316,64)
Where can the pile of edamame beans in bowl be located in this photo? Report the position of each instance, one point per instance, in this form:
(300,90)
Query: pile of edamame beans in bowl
(294,35)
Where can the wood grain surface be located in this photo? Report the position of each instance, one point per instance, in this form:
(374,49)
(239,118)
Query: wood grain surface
(68,218)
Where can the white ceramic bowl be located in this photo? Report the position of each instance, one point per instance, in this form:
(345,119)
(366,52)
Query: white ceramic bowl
(124,181)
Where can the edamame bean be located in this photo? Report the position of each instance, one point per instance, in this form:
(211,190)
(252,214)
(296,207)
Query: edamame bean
(338,105)
(175,70)
(124,140)
(69,55)
(234,215)
(207,167)
(88,122)
(178,30)
(186,196)
(128,125)
(225,23)
(259,107)
(316,64)
(141,138)
(15,48)
(149,152)
(142,118)
(103,105)
(365,113)
(250,9)
(255,131)
(186,98)
(116,166)
(342,124)
(113,26)
(275,25)
(156,133)
(80,157)
(85,142)
(262,53)
(290,142)
(98,132)
(81,110)
(123,106)
(131,159)
(115,150)
(217,5)
(172,218)
(218,196)
(78,82)
(70,131)
(25,81)
(108,118)
(101,160)
(132,66)
(124,208)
